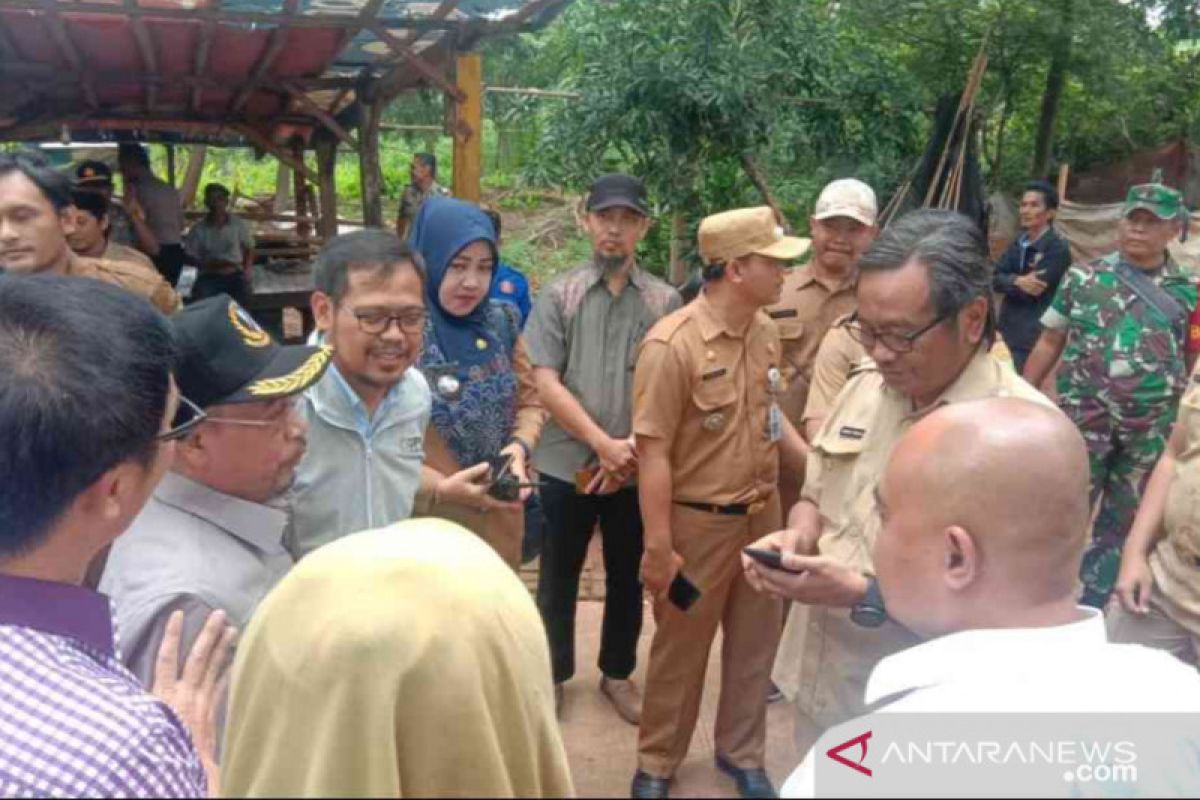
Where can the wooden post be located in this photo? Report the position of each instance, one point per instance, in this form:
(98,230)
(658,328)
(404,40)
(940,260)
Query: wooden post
(283,188)
(171,164)
(679,274)
(468,129)
(191,178)
(368,162)
(326,168)
(1064,172)
(303,229)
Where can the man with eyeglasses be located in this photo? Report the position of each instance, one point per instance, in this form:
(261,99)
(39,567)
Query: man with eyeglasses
(925,319)
(211,537)
(367,417)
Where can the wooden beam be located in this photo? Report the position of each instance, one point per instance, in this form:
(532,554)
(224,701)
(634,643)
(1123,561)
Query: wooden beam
(326,119)
(368,162)
(191,177)
(439,13)
(551,93)
(327,187)
(222,16)
(62,40)
(203,46)
(528,10)
(171,164)
(263,142)
(405,54)
(275,44)
(468,129)
(145,43)
(366,16)
(303,229)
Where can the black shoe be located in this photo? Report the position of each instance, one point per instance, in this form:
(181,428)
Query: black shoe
(750,782)
(645,786)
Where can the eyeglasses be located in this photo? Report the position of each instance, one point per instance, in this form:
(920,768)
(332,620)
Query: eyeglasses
(896,342)
(376,323)
(187,417)
(278,422)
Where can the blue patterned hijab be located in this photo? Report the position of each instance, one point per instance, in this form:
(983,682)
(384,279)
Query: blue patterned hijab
(467,360)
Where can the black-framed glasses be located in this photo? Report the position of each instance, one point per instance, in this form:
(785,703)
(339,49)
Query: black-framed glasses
(375,322)
(187,417)
(896,342)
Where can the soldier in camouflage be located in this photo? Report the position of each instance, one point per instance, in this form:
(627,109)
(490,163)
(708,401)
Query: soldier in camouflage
(1120,324)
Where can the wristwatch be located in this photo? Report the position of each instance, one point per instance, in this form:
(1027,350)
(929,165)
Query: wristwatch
(870,611)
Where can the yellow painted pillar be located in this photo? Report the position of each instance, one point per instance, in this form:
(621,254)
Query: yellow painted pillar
(468,129)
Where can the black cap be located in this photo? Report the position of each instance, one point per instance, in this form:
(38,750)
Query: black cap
(225,357)
(611,191)
(93,173)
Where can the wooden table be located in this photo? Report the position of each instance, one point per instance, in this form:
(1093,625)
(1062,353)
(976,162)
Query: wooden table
(274,291)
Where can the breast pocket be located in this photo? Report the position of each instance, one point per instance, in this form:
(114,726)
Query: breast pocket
(716,402)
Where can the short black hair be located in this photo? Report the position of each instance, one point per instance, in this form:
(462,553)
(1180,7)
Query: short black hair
(92,202)
(133,152)
(429,160)
(216,187)
(87,370)
(374,250)
(494,216)
(1049,193)
(54,185)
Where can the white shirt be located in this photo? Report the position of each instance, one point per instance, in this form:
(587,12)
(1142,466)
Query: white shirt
(1063,669)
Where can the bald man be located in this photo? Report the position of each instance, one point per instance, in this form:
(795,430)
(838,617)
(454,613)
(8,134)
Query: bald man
(992,584)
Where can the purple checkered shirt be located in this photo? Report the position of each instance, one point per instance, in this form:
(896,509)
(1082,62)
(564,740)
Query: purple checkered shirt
(73,721)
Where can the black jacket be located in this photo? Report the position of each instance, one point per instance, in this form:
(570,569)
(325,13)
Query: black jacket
(1019,317)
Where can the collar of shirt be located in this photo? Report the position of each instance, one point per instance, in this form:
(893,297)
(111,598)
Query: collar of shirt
(960,654)
(805,277)
(254,523)
(1170,267)
(712,326)
(58,609)
(635,275)
(978,379)
(337,403)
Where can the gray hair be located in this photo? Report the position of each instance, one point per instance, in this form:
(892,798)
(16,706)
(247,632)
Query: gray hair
(952,249)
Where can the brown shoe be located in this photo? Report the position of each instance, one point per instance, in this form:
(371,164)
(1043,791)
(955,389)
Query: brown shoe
(625,697)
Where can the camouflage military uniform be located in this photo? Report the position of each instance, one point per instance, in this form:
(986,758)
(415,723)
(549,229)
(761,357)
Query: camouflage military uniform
(1122,374)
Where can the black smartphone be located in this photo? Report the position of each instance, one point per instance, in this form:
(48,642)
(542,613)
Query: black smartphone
(769,558)
(682,592)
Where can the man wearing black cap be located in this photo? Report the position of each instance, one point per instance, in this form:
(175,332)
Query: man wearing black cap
(126,221)
(583,338)
(211,537)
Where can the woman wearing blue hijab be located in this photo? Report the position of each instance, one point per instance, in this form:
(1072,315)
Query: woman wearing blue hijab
(485,401)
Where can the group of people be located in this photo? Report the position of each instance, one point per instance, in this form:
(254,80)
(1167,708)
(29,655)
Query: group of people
(352,510)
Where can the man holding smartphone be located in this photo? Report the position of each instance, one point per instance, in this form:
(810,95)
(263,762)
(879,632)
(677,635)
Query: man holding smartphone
(1028,273)
(710,433)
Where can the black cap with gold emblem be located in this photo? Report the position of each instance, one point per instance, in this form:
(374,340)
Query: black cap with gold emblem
(225,357)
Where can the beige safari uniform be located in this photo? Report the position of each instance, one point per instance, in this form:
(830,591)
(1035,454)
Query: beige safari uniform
(825,658)
(709,392)
(131,276)
(1173,623)
(834,365)
(805,311)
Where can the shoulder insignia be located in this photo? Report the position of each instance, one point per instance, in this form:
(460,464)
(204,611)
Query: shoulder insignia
(665,329)
(783,313)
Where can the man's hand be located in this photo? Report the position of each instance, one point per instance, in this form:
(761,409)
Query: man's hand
(813,580)
(194,693)
(1134,584)
(788,540)
(605,483)
(659,569)
(469,487)
(1030,284)
(618,456)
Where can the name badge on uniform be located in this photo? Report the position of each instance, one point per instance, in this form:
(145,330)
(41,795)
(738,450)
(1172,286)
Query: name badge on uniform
(774,423)
(851,433)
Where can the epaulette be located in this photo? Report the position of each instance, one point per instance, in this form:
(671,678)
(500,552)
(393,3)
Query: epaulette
(665,329)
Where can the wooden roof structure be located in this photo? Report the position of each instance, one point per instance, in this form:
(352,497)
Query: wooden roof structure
(199,70)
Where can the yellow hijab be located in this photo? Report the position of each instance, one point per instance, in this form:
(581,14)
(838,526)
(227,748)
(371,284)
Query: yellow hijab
(405,661)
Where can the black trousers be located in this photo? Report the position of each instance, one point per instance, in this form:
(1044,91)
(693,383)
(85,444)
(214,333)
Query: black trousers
(210,284)
(570,521)
(169,262)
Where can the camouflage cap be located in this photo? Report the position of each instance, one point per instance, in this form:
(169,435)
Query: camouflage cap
(1161,201)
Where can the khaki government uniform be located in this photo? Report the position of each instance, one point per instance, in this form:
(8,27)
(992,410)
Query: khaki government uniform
(503,530)
(1173,623)
(832,368)
(805,311)
(709,392)
(825,658)
(135,278)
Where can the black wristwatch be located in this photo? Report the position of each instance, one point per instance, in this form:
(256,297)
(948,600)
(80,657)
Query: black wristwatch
(870,611)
